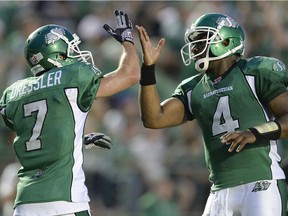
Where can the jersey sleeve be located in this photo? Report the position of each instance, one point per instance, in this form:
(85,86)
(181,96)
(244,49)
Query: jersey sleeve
(183,93)
(89,79)
(178,93)
(3,104)
(271,79)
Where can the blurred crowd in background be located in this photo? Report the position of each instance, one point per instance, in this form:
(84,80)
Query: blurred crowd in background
(147,172)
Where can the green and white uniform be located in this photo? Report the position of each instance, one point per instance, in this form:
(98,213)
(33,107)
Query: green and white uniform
(235,101)
(48,114)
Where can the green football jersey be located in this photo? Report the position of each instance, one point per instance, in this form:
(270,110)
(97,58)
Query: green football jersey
(236,101)
(48,114)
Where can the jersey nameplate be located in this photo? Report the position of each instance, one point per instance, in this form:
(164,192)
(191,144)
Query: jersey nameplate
(225,89)
(50,80)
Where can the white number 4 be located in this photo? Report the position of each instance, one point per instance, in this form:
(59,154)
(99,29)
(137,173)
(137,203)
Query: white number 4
(41,108)
(222,119)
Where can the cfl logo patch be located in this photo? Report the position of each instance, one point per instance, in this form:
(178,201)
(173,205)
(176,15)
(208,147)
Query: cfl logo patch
(36,58)
(261,186)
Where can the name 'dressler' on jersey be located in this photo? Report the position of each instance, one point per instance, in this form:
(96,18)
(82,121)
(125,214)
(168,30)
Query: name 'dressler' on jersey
(22,88)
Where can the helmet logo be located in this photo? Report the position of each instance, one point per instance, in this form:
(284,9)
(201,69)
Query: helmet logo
(226,21)
(51,37)
(36,58)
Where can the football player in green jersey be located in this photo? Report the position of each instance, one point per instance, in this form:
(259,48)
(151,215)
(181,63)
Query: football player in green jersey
(48,114)
(241,106)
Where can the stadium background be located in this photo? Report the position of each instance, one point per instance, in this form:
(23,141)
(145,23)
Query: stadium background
(147,172)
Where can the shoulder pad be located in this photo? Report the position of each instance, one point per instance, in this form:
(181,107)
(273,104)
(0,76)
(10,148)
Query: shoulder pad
(89,66)
(193,79)
(268,63)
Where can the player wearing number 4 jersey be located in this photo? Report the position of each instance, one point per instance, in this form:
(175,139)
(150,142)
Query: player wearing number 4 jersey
(241,106)
(48,114)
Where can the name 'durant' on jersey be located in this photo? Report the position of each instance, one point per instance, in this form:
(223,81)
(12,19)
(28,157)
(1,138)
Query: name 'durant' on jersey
(23,88)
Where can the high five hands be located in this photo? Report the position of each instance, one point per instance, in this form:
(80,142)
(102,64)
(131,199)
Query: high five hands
(150,53)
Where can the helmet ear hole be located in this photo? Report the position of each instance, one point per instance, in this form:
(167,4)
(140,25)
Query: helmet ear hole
(62,56)
(225,43)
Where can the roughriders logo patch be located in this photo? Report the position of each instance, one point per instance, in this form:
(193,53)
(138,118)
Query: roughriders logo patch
(261,186)
(51,37)
(278,66)
(39,174)
(226,21)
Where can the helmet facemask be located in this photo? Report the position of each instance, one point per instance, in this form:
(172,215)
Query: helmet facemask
(73,51)
(210,36)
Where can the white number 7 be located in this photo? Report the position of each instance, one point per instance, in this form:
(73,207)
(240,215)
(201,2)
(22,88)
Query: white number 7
(41,108)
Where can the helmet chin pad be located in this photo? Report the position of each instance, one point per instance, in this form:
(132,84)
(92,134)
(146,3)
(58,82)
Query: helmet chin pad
(202,65)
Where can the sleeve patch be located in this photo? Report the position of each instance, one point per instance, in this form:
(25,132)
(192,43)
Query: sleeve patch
(278,66)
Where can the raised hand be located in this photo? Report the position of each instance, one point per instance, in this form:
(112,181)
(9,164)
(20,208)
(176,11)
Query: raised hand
(150,53)
(123,30)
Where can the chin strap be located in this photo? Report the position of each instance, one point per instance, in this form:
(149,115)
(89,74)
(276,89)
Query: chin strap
(57,64)
(37,69)
(202,65)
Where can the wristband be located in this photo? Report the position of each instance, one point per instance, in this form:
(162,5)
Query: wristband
(147,75)
(267,131)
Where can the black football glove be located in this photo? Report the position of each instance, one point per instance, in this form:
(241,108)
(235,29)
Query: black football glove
(123,31)
(98,140)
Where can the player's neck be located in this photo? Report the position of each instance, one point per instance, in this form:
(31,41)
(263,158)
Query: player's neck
(220,67)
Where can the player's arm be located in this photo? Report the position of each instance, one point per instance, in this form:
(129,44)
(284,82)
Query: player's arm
(159,115)
(128,72)
(279,107)
(267,131)
(155,114)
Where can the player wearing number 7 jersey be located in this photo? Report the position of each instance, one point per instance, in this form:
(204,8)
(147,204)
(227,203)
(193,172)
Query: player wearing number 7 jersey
(241,106)
(48,114)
